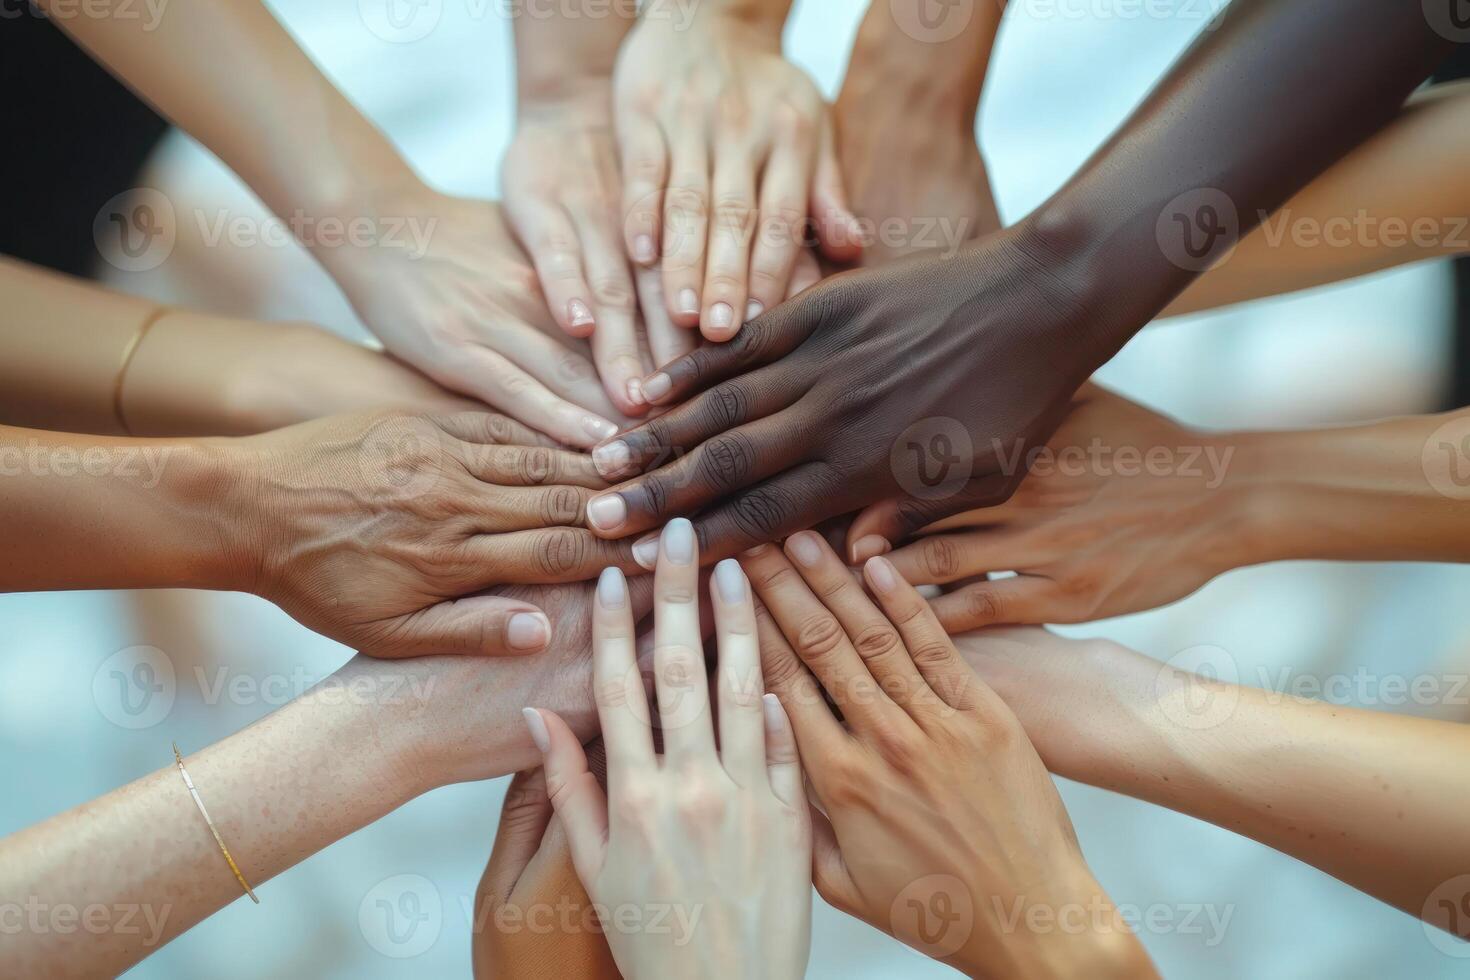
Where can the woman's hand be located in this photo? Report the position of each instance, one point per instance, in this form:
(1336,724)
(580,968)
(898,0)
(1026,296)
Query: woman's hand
(378,530)
(942,826)
(1125,510)
(726,150)
(919,384)
(453,296)
(715,842)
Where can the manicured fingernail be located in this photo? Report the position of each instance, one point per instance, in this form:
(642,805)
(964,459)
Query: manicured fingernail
(657,386)
(635,391)
(721,316)
(612,458)
(731,580)
(804,548)
(753,309)
(612,589)
(528,631)
(881,574)
(645,551)
(679,541)
(608,512)
(598,428)
(537,726)
(869,546)
(578,313)
(772,707)
(643,250)
(688,301)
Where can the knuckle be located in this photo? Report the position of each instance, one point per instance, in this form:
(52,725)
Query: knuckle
(940,557)
(929,654)
(902,750)
(535,465)
(726,462)
(875,641)
(611,692)
(982,606)
(562,505)
(762,512)
(561,551)
(613,293)
(726,407)
(781,670)
(682,202)
(819,636)
(701,804)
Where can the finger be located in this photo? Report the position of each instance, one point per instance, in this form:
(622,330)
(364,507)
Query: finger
(818,733)
(783,762)
(644,160)
(490,429)
(491,626)
(878,527)
(666,340)
(721,466)
(780,227)
(575,796)
(738,681)
(678,652)
(770,337)
(805,274)
(524,818)
(550,236)
(615,341)
(686,224)
(830,873)
(933,653)
(889,521)
(837,228)
(1028,599)
(493,379)
(499,510)
(820,641)
(873,637)
(731,228)
(529,466)
(622,706)
(544,556)
(938,559)
(768,511)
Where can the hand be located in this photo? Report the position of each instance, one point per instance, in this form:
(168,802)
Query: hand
(377,530)
(715,842)
(1125,511)
(917,385)
(563,199)
(726,148)
(454,297)
(934,799)
(532,916)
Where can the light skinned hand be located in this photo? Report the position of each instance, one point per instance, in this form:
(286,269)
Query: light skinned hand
(1126,510)
(378,530)
(726,150)
(713,836)
(941,826)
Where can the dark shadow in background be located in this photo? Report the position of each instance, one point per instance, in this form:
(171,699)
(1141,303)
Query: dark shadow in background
(1458,66)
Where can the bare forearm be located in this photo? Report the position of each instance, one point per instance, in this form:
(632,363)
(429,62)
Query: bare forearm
(563,48)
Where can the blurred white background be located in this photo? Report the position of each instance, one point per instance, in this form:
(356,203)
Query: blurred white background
(1058,85)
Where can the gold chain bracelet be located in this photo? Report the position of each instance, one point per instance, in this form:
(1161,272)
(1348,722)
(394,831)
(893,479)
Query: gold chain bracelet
(212,829)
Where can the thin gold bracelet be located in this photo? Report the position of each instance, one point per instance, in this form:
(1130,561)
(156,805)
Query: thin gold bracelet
(127,359)
(212,829)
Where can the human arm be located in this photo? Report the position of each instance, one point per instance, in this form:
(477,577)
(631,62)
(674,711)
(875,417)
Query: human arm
(1125,510)
(377,530)
(1372,798)
(815,411)
(939,823)
(368,739)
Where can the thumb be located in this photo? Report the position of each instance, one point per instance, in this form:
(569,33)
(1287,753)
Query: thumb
(838,231)
(523,823)
(882,525)
(487,625)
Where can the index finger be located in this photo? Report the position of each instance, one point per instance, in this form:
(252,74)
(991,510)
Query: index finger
(617,683)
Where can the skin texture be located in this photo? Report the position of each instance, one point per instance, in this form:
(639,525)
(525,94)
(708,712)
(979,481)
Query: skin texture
(1373,798)
(689,833)
(376,530)
(436,278)
(933,798)
(808,413)
(369,739)
(726,149)
(1128,510)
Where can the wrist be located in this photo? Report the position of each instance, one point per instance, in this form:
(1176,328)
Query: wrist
(201,481)
(923,84)
(767,17)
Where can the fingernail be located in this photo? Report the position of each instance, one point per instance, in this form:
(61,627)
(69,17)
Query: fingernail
(528,631)
(537,726)
(772,707)
(753,309)
(598,428)
(688,301)
(635,391)
(643,250)
(612,589)
(804,548)
(657,386)
(608,512)
(881,574)
(578,313)
(645,551)
(612,458)
(721,316)
(731,581)
(869,546)
(679,541)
